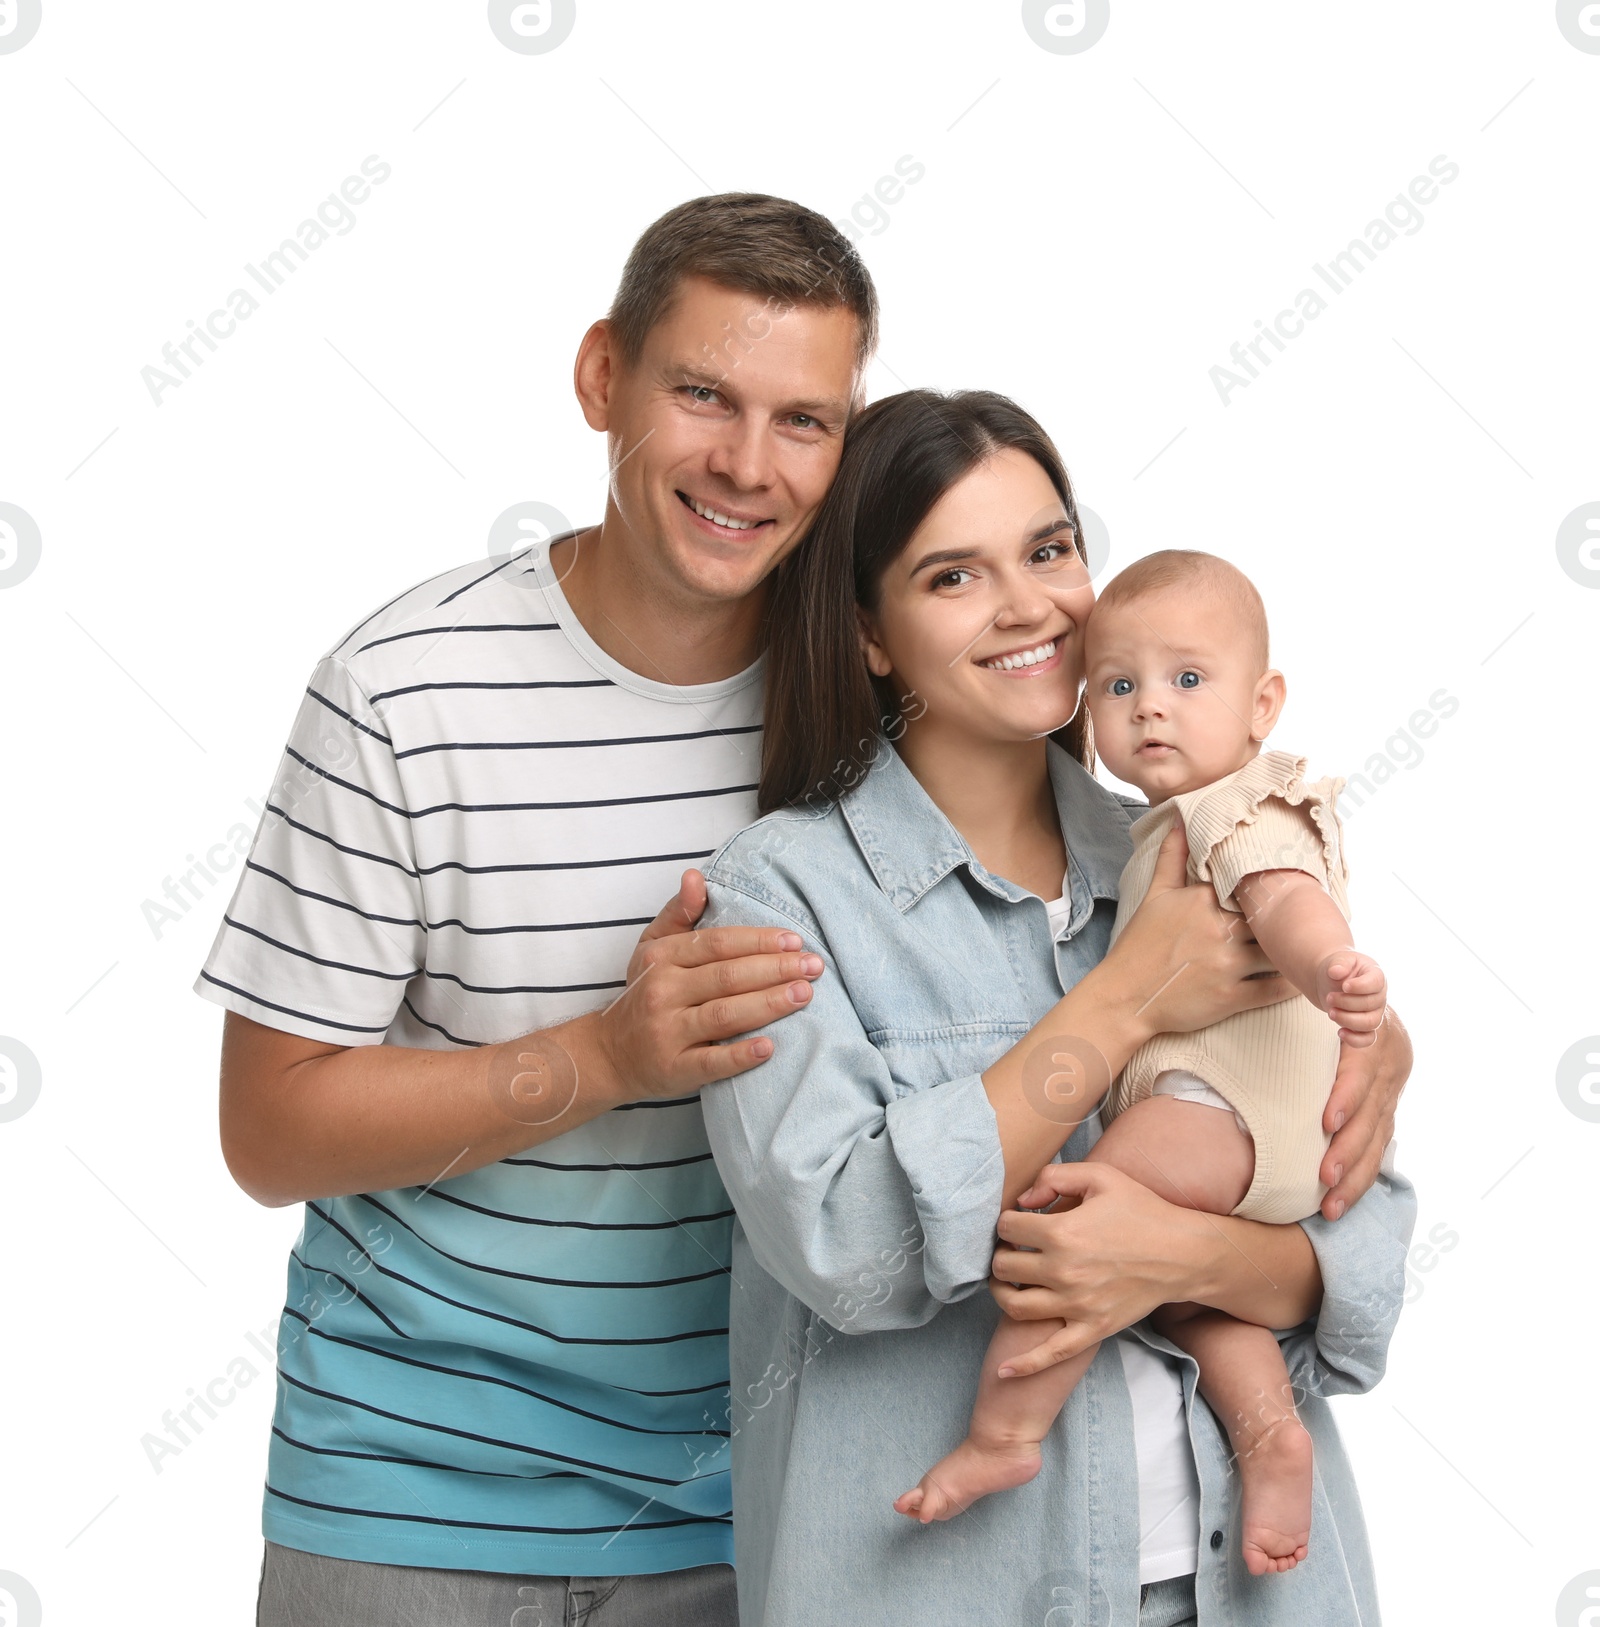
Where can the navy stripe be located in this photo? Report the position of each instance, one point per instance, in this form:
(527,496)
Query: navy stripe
(512,807)
(290,1011)
(497,1316)
(529,683)
(473,1435)
(502,1383)
(486,1525)
(354,852)
(324,898)
(587,1226)
(528,1276)
(659,1163)
(305,954)
(390,1457)
(368,620)
(523,988)
(573,745)
(571,864)
(324,1271)
(555,926)
(455,1039)
(485,869)
(494,570)
(467,627)
(348,718)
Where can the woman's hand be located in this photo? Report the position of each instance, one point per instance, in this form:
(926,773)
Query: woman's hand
(1183,960)
(1102,1264)
(1120,1251)
(1360,1113)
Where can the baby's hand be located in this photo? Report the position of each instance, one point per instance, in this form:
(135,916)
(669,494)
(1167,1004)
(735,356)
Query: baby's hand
(1355,993)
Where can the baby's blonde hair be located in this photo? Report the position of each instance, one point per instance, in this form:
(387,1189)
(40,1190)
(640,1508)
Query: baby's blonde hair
(1187,567)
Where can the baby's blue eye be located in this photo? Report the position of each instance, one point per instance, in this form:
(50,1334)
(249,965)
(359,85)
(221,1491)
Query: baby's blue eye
(1121,686)
(1188,680)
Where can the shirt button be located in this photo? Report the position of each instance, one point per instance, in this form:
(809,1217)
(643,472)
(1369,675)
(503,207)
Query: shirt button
(1216,1540)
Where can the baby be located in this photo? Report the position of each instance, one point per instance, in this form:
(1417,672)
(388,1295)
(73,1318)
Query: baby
(1229,1119)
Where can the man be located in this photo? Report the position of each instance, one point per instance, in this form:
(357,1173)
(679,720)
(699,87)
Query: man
(503,1354)
(502,1363)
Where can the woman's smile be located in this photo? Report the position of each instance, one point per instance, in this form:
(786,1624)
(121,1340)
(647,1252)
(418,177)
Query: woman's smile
(1031,661)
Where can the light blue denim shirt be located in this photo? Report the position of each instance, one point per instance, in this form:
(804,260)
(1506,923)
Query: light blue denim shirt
(865,1165)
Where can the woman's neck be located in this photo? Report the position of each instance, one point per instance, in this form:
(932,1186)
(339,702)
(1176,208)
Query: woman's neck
(998,795)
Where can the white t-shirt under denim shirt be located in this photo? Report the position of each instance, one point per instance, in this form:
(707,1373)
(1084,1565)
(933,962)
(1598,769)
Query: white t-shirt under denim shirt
(1169,1489)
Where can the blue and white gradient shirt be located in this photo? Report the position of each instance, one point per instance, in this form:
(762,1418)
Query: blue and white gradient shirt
(523,1368)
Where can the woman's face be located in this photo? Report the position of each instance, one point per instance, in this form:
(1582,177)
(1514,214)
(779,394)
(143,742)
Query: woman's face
(980,619)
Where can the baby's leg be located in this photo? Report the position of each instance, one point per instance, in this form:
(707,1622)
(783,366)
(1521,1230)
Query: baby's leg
(1245,1382)
(1195,1155)
(1010,1418)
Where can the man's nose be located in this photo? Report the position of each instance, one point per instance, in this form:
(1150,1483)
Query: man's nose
(742,455)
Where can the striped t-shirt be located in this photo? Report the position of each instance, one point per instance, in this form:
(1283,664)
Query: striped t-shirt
(523,1368)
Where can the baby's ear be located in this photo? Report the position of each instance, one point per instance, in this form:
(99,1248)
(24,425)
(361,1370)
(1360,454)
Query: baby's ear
(1271,692)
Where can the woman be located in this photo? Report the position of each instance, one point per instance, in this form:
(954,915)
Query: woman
(926,646)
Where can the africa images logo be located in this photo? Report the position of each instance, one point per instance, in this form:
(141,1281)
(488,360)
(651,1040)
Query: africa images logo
(19,22)
(532,27)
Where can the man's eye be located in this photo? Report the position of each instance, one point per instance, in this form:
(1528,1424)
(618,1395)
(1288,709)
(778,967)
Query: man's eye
(804,420)
(1121,686)
(701,394)
(1188,680)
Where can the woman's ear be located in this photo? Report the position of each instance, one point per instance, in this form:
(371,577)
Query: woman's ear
(1271,692)
(872,651)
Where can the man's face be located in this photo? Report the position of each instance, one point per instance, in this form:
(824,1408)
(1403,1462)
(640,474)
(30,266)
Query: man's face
(726,433)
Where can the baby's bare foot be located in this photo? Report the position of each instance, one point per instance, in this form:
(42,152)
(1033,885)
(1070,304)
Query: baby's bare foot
(972,1471)
(1277,1498)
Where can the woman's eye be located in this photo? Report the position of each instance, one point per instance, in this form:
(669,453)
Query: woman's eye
(1188,680)
(949,578)
(1050,552)
(1120,686)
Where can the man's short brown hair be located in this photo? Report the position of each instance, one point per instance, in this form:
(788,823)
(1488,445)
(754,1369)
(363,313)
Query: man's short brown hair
(749,242)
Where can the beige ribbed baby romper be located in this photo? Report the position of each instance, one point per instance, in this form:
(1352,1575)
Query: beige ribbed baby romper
(1274,1065)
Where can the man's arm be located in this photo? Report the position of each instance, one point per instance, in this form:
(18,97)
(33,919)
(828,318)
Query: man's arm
(304,1119)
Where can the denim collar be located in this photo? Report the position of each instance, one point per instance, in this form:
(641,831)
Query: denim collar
(909,845)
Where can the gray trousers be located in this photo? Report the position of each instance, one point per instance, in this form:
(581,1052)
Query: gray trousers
(1167,1604)
(311,1590)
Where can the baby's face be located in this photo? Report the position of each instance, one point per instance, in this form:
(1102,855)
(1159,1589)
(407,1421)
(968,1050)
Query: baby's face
(1175,688)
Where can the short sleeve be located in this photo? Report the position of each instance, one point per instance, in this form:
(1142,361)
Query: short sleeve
(1265,817)
(326,927)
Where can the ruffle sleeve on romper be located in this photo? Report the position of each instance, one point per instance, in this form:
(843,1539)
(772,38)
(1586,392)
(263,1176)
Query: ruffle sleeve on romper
(1265,817)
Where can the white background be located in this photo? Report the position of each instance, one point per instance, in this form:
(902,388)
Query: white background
(1092,233)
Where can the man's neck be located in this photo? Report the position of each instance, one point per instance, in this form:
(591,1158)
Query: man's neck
(646,621)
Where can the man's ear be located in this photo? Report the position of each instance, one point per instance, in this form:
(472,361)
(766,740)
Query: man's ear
(594,373)
(867,633)
(1271,692)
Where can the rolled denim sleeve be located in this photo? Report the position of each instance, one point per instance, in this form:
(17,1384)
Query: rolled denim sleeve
(872,1206)
(1362,1257)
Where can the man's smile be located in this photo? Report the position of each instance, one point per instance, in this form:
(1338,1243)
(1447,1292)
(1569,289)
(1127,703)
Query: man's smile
(723,520)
